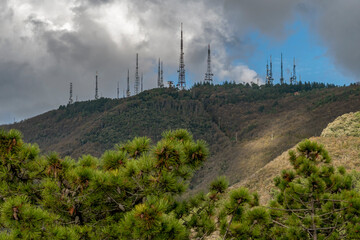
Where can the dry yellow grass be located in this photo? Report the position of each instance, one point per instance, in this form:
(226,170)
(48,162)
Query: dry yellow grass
(345,125)
(344,151)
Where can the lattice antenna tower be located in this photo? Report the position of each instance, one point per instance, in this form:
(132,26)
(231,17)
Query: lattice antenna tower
(181,82)
(118,91)
(96,86)
(159,75)
(71,94)
(208,75)
(293,77)
(128,85)
(282,71)
(137,79)
(294,73)
(162,75)
(267,72)
(271,79)
(142,82)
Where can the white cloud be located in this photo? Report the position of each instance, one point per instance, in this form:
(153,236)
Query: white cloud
(239,74)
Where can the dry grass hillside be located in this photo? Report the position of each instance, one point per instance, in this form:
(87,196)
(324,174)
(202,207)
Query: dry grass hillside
(345,125)
(344,151)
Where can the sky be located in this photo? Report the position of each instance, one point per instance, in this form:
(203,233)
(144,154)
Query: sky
(45,45)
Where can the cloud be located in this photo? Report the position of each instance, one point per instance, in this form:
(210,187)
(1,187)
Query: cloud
(239,74)
(337,25)
(269,17)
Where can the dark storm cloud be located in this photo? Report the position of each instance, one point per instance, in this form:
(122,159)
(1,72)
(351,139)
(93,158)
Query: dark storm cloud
(270,17)
(338,25)
(19,82)
(44,44)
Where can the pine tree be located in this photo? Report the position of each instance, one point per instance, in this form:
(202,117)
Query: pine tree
(315,200)
(136,184)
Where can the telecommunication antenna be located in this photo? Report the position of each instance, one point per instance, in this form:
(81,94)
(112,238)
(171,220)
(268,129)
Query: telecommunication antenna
(208,75)
(128,85)
(282,71)
(267,72)
(293,77)
(162,75)
(118,91)
(96,86)
(271,79)
(137,79)
(181,82)
(71,94)
(159,75)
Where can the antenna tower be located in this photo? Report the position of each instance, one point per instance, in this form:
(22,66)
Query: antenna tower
(282,71)
(271,79)
(71,94)
(162,75)
(118,91)
(181,83)
(159,75)
(208,75)
(128,85)
(267,72)
(293,77)
(137,79)
(142,81)
(96,86)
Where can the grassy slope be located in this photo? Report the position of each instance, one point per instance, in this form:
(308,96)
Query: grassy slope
(266,122)
(344,151)
(345,125)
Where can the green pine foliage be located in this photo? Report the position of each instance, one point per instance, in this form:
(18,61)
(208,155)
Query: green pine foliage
(130,192)
(313,201)
(242,217)
(135,192)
